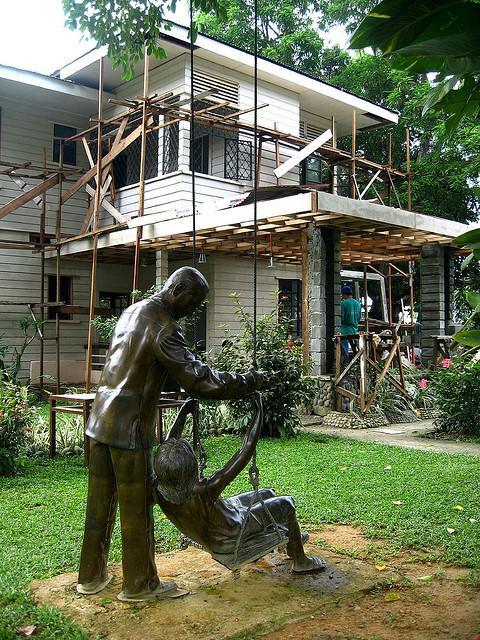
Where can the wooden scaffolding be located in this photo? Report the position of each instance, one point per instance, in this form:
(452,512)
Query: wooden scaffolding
(106,139)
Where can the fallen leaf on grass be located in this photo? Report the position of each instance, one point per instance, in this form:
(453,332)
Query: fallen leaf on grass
(458,507)
(27,631)
(450,530)
(342,468)
(105,601)
(397,502)
(473,520)
(391,596)
(426,578)
(380,567)
(388,467)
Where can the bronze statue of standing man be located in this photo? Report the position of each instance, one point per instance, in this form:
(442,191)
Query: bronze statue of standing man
(146,347)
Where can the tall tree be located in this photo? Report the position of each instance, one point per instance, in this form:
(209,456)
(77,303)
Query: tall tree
(125,27)
(287,33)
(346,13)
(431,36)
(445,170)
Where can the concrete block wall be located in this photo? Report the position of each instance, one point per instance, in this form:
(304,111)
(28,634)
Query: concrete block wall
(323,297)
(433,298)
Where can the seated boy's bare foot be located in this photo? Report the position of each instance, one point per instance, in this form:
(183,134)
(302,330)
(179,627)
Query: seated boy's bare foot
(310,564)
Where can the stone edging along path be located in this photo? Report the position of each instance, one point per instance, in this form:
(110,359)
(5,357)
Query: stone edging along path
(401,435)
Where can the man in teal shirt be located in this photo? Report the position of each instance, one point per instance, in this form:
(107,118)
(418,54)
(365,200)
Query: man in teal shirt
(350,313)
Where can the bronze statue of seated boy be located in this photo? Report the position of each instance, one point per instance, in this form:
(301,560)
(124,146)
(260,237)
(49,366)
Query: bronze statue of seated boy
(196,508)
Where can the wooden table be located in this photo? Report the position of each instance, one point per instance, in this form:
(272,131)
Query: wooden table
(81,404)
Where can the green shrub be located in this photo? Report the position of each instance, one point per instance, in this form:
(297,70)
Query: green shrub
(457,389)
(285,386)
(16,418)
(104,327)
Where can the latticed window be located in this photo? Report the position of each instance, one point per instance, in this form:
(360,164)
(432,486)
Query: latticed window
(126,166)
(238,159)
(290,304)
(170,147)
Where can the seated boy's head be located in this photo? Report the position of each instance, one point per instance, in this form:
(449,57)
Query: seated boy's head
(177,470)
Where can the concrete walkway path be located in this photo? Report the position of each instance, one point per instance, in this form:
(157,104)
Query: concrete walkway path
(400,435)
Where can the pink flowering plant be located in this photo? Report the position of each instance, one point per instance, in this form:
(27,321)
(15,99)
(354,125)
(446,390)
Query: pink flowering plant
(422,392)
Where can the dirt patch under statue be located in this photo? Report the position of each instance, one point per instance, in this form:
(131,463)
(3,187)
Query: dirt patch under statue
(357,598)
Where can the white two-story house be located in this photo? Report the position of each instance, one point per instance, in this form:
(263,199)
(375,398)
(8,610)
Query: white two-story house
(330,209)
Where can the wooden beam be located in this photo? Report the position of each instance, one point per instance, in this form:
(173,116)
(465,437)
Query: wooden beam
(93,278)
(302,154)
(354,150)
(386,366)
(141,185)
(109,158)
(105,204)
(29,195)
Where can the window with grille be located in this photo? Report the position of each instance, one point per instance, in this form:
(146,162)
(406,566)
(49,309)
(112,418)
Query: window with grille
(126,166)
(170,147)
(69,148)
(65,295)
(238,159)
(290,304)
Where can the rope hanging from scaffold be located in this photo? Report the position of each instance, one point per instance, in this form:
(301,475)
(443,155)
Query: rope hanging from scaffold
(197,442)
(253,472)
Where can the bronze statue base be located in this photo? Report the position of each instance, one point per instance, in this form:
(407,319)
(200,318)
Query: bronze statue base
(267,596)
(168,589)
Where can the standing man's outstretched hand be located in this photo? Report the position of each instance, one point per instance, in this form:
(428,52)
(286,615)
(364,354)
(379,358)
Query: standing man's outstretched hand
(259,378)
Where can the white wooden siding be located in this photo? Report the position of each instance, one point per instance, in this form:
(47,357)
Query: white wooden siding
(232,274)
(26,130)
(20,283)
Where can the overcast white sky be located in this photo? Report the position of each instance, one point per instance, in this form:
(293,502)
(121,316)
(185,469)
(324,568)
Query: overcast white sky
(33,36)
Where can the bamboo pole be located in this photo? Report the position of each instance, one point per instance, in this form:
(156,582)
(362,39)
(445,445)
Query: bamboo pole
(365,296)
(43,216)
(98,186)
(305,322)
(354,149)
(412,302)
(389,186)
(363,371)
(277,152)
(58,233)
(141,188)
(409,177)
(259,160)
(390,308)
(333,169)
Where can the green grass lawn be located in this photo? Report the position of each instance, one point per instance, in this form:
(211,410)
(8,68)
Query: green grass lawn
(332,480)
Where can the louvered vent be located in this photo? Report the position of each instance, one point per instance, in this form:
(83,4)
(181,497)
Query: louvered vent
(310,131)
(225,90)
